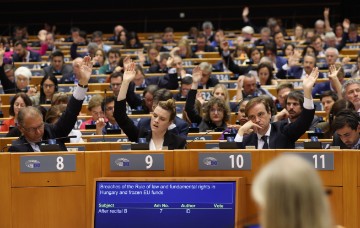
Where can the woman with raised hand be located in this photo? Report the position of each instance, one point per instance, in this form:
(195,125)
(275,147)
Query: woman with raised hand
(159,137)
(216,110)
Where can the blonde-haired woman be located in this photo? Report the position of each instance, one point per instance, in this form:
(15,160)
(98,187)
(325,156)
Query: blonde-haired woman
(290,194)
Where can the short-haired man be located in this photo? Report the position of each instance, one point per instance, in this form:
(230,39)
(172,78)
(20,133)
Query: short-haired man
(33,128)
(58,66)
(132,99)
(282,90)
(327,99)
(351,92)
(293,108)
(113,56)
(276,135)
(347,130)
(22,54)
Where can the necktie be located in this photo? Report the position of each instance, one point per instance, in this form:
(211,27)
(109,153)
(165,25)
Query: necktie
(266,145)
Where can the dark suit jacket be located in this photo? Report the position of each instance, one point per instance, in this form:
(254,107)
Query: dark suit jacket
(296,73)
(181,129)
(171,140)
(66,69)
(169,81)
(34,57)
(61,128)
(233,67)
(133,99)
(212,82)
(284,135)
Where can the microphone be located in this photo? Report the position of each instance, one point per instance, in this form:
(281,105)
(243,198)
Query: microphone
(39,142)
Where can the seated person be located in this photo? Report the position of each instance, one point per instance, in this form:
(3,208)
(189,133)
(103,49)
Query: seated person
(298,72)
(23,54)
(185,86)
(294,103)
(58,66)
(164,113)
(346,125)
(216,110)
(22,80)
(53,115)
(94,107)
(179,126)
(103,126)
(113,56)
(19,101)
(206,81)
(33,128)
(276,135)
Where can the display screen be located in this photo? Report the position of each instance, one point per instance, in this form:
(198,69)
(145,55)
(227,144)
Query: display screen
(165,204)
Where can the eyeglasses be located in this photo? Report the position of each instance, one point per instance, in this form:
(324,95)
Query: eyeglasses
(34,129)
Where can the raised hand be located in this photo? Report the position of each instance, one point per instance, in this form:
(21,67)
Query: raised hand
(127,61)
(245,12)
(346,24)
(326,12)
(130,72)
(309,82)
(170,62)
(333,72)
(196,74)
(85,70)
(224,45)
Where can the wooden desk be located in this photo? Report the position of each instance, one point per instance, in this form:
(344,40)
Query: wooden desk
(53,199)
(41,191)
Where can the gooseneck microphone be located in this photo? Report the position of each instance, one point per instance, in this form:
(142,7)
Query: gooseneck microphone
(39,142)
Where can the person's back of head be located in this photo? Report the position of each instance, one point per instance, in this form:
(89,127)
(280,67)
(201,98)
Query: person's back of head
(54,113)
(162,95)
(346,117)
(290,194)
(337,107)
(283,86)
(270,102)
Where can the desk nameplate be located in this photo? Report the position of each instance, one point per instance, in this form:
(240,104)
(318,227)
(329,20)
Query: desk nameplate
(47,163)
(224,161)
(125,161)
(320,161)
